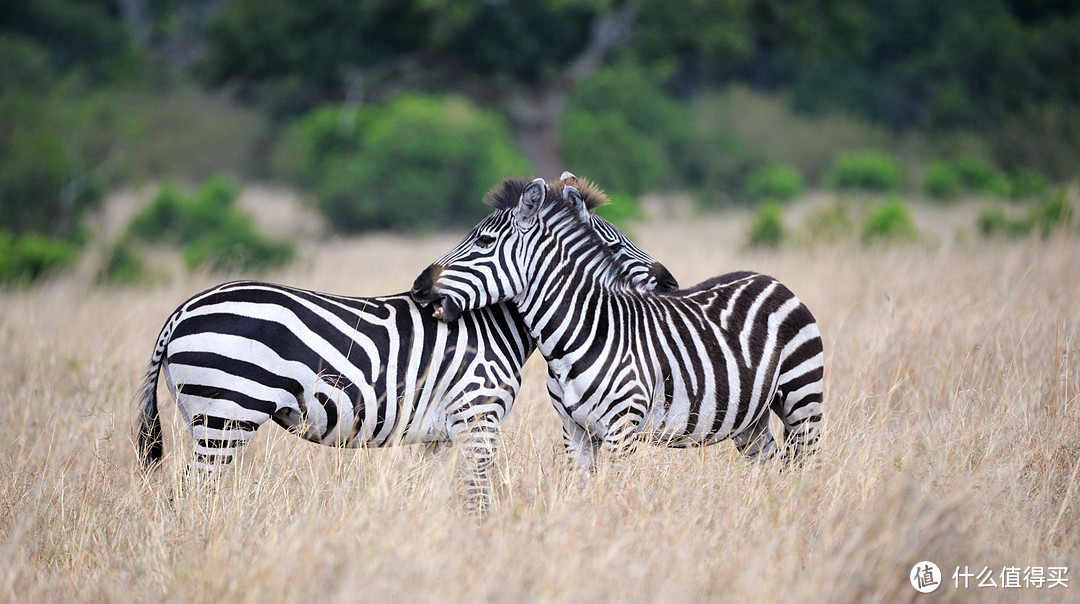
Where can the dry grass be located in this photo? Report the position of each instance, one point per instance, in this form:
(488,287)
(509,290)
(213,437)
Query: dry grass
(952,435)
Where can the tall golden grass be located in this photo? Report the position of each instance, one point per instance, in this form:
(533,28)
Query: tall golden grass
(952,434)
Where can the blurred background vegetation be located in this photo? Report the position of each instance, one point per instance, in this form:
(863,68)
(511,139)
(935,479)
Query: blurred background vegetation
(398,114)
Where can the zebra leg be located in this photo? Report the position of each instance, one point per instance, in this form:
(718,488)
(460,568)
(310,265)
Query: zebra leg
(433,448)
(800,410)
(756,441)
(217,442)
(799,392)
(621,437)
(581,448)
(478,441)
(802,428)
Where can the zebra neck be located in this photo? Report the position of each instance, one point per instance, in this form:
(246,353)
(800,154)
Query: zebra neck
(567,306)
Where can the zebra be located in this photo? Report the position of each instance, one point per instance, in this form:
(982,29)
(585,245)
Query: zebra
(347,371)
(684,368)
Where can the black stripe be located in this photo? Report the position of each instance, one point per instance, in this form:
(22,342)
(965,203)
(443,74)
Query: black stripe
(214,443)
(213,458)
(220,423)
(239,368)
(276,337)
(810,377)
(331,413)
(216,392)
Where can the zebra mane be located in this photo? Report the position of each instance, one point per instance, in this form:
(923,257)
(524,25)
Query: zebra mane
(505,196)
(565,212)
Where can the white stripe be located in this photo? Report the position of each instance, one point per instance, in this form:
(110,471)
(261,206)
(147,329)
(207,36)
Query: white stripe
(751,320)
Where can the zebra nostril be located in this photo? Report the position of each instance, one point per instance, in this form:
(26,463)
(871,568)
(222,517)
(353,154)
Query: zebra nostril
(421,291)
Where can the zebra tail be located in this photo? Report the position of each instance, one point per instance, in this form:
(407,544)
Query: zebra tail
(149,443)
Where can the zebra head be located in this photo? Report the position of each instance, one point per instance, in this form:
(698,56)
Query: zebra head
(487,266)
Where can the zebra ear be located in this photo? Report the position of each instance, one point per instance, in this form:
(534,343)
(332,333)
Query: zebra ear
(574,197)
(529,204)
(566,176)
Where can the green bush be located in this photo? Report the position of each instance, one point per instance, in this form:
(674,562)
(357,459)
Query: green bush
(415,163)
(181,218)
(773,182)
(1027,184)
(768,227)
(993,222)
(946,180)
(867,171)
(310,144)
(1050,214)
(888,221)
(63,146)
(739,128)
(980,177)
(123,265)
(942,181)
(214,233)
(240,248)
(27,258)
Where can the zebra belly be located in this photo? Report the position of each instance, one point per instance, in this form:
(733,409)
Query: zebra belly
(686,422)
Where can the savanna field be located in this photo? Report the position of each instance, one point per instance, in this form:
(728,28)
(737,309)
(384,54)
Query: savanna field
(952,434)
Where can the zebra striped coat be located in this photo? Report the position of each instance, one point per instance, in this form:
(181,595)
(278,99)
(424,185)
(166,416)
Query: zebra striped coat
(683,368)
(346,371)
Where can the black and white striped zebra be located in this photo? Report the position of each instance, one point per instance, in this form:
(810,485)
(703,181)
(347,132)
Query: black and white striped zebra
(346,371)
(683,368)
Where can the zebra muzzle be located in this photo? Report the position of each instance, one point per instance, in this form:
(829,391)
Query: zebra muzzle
(438,313)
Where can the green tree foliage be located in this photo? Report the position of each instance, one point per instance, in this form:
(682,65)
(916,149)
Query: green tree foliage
(44,186)
(417,162)
(1003,68)
(297,55)
(45,182)
(693,94)
(83,34)
(621,130)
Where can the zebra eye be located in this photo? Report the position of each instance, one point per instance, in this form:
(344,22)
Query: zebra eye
(615,246)
(485,241)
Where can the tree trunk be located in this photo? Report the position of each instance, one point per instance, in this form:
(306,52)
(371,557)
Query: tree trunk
(134,13)
(538,116)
